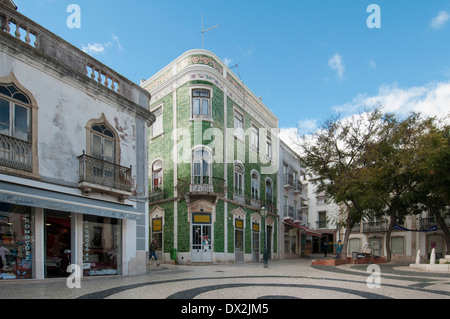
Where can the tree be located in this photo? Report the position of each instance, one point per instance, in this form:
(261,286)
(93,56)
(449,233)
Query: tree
(432,158)
(336,157)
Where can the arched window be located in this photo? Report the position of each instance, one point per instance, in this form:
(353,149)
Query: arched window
(18,135)
(269,191)
(103,142)
(238,179)
(201,166)
(15,113)
(157,176)
(255,185)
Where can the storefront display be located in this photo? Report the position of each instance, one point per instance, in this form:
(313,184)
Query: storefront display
(102,248)
(58,243)
(15,241)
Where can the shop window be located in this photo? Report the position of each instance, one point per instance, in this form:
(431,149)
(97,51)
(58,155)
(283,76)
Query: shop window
(102,246)
(16,235)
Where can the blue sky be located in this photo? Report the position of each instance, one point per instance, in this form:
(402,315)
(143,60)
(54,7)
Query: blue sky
(307,59)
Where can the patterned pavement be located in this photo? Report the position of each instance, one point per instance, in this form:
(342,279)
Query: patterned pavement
(286,279)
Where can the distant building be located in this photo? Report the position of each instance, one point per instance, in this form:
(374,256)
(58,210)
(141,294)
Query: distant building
(293,206)
(213,164)
(73,158)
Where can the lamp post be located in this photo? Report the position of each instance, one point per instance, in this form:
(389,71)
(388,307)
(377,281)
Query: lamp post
(263,211)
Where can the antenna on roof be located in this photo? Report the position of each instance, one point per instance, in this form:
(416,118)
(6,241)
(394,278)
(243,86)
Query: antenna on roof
(237,66)
(203,32)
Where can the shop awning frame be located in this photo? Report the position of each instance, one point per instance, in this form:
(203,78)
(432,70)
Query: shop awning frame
(47,199)
(308,231)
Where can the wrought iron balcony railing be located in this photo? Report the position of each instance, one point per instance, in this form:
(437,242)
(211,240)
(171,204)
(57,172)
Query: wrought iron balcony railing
(370,227)
(98,172)
(15,153)
(202,185)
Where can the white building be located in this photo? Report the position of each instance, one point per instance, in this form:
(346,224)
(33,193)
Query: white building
(295,234)
(73,158)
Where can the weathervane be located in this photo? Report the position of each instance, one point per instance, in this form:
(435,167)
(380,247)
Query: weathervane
(203,32)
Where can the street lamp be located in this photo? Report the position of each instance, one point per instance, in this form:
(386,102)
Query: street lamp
(263,211)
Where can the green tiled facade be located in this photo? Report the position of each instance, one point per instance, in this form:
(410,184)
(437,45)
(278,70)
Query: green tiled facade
(172,89)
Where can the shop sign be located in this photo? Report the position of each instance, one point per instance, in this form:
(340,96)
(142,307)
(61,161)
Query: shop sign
(239,223)
(201,218)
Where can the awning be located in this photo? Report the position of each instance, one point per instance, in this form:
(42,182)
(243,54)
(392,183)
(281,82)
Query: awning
(38,197)
(308,231)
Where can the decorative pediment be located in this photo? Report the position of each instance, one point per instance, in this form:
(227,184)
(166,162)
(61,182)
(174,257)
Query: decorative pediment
(256,218)
(238,213)
(157,212)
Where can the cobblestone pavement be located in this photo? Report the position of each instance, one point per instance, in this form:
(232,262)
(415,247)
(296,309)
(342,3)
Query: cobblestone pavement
(285,279)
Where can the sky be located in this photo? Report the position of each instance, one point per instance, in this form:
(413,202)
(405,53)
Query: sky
(306,59)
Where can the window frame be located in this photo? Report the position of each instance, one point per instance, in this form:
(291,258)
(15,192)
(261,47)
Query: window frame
(32,124)
(201,116)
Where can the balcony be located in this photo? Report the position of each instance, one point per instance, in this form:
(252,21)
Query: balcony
(156,195)
(425,223)
(373,227)
(298,187)
(321,224)
(202,185)
(288,212)
(288,181)
(15,153)
(104,177)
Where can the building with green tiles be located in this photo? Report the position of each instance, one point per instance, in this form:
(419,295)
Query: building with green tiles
(213,163)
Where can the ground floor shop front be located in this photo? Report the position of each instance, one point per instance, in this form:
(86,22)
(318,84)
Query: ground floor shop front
(41,234)
(212,232)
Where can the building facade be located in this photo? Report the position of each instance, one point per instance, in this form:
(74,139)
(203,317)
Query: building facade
(73,159)
(297,237)
(213,164)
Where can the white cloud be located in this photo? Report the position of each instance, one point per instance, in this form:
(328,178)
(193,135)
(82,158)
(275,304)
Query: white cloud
(336,63)
(116,38)
(440,20)
(372,65)
(307,126)
(227,61)
(95,48)
(431,99)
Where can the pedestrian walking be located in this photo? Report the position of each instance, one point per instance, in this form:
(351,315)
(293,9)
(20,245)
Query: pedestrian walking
(325,247)
(153,247)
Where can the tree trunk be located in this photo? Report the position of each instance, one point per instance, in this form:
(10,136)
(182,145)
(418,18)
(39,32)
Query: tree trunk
(441,222)
(348,230)
(388,239)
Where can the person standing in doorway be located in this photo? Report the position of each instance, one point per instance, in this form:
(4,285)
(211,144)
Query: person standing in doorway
(153,247)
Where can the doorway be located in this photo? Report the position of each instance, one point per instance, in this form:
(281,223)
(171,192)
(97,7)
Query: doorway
(57,243)
(269,242)
(201,238)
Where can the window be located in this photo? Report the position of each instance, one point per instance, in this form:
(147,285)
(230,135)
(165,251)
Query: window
(15,129)
(269,191)
(255,186)
(103,142)
(255,137)
(201,103)
(157,176)
(269,147)
(239,126)
(15,115)
(238,179)
(157,127)
(201,163)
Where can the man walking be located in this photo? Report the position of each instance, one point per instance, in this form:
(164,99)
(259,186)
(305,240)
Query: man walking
(153,248)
